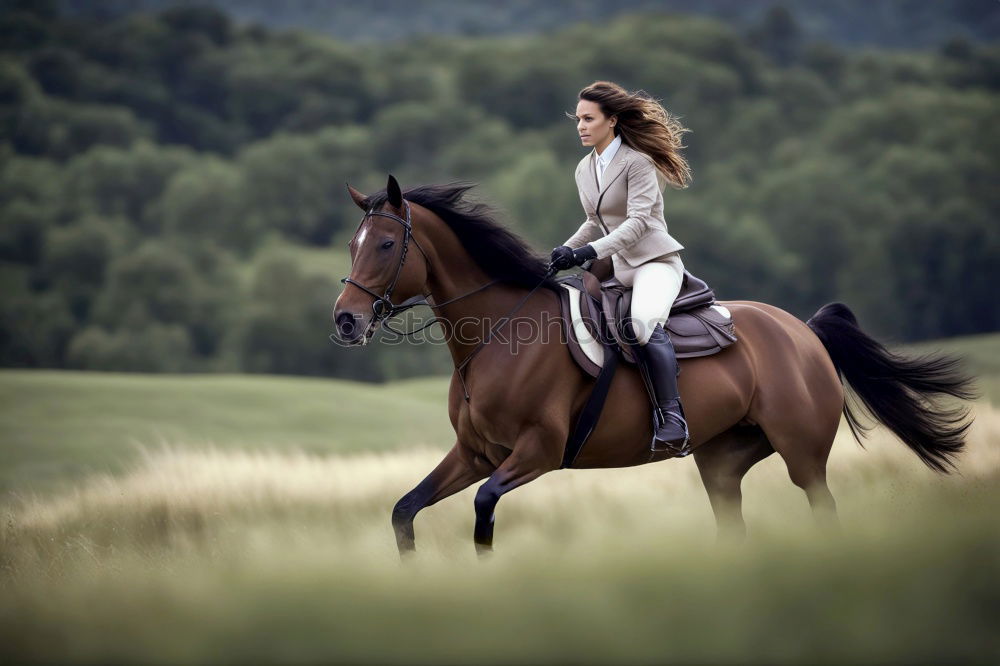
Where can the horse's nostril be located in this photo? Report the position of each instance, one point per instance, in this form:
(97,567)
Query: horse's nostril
(346,324)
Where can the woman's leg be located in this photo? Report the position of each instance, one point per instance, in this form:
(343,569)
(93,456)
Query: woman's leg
(654,291)
(656,287)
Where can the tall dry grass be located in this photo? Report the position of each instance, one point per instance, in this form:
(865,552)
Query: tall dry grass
(211,555)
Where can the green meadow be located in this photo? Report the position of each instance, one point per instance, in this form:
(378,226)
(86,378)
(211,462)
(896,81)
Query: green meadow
(57,426)
(179,519)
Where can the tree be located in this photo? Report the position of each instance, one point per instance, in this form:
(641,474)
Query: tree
(34,327)
(123,182)
(192,287)
(77,257)
(295,185)
(208,202)
(778,35)
(541,197)
(143,347)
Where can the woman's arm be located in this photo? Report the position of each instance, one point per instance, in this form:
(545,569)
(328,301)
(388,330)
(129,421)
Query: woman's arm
(642,190)
(589,230)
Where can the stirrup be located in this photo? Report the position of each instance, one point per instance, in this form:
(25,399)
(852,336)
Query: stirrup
(676,450)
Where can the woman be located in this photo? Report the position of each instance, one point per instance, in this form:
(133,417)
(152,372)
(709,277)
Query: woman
(636,143)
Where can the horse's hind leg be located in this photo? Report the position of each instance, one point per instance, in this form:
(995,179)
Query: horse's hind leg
(805,448)
(723,461)
(809,474)
(820,498)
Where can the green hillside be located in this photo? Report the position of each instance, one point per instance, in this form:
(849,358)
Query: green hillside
(59,425)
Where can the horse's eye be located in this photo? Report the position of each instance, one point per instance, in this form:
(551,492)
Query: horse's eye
(386,245)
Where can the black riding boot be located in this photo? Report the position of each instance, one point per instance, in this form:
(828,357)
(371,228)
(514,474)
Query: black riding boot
(658,365)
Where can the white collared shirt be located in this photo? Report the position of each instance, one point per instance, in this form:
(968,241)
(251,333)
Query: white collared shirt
(604,159)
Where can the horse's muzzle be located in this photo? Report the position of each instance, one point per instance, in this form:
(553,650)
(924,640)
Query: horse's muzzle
(350,327)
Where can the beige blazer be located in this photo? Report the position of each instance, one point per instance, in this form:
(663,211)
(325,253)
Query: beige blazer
(625,218)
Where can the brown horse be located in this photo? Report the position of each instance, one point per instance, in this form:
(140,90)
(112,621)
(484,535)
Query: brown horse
(777,389)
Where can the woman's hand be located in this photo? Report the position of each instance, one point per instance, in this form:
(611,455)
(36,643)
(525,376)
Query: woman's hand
(564,257)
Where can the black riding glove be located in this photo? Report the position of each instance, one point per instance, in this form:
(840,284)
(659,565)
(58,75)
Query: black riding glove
(584,254)
(562,257)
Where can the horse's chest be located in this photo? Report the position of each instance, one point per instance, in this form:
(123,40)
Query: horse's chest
(477,424)
(506,394)
(492,424)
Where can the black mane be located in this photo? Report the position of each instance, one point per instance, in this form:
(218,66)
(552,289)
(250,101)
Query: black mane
(499,252)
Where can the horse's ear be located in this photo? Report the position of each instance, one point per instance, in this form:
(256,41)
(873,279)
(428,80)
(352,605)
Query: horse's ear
(359,198)
(394,193)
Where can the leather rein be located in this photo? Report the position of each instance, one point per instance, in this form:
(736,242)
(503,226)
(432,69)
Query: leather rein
(384,309)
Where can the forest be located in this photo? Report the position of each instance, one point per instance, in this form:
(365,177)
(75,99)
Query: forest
(172,183)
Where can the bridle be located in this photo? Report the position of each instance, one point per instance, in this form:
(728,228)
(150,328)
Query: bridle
(384,309)
(382,306)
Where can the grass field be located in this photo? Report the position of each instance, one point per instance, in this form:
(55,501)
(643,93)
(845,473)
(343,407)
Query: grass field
(59,426)
(236,519)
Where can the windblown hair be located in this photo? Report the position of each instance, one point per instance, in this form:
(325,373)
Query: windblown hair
(645,126)
(498,251)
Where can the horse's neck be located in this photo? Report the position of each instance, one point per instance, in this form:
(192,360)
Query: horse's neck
(454,275)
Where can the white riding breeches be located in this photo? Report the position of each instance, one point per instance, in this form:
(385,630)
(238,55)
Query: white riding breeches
(655,285)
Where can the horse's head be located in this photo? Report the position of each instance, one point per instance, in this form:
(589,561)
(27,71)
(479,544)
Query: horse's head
(387,265)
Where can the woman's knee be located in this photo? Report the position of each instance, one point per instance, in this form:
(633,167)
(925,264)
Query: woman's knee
(656,287)
(646,312)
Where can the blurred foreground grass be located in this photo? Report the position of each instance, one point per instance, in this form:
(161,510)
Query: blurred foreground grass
(256,556)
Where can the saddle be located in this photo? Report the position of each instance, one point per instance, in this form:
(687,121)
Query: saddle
(594,307)
(594,311)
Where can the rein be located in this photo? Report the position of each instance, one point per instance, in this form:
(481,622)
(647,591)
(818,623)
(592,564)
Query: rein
(384,309)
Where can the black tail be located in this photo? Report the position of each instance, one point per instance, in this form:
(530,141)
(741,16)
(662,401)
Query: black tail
(898,391)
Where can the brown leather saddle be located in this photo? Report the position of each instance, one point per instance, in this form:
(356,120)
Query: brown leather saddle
(595,305)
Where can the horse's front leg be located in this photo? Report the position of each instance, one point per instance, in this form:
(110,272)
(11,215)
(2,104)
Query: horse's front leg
(458,470)
(537,451)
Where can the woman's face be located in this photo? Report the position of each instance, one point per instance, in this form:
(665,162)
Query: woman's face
(593,127)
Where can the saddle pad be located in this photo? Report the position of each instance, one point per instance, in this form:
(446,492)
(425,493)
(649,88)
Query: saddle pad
(583,343)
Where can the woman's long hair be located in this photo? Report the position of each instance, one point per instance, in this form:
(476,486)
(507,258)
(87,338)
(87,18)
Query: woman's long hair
(645,126)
